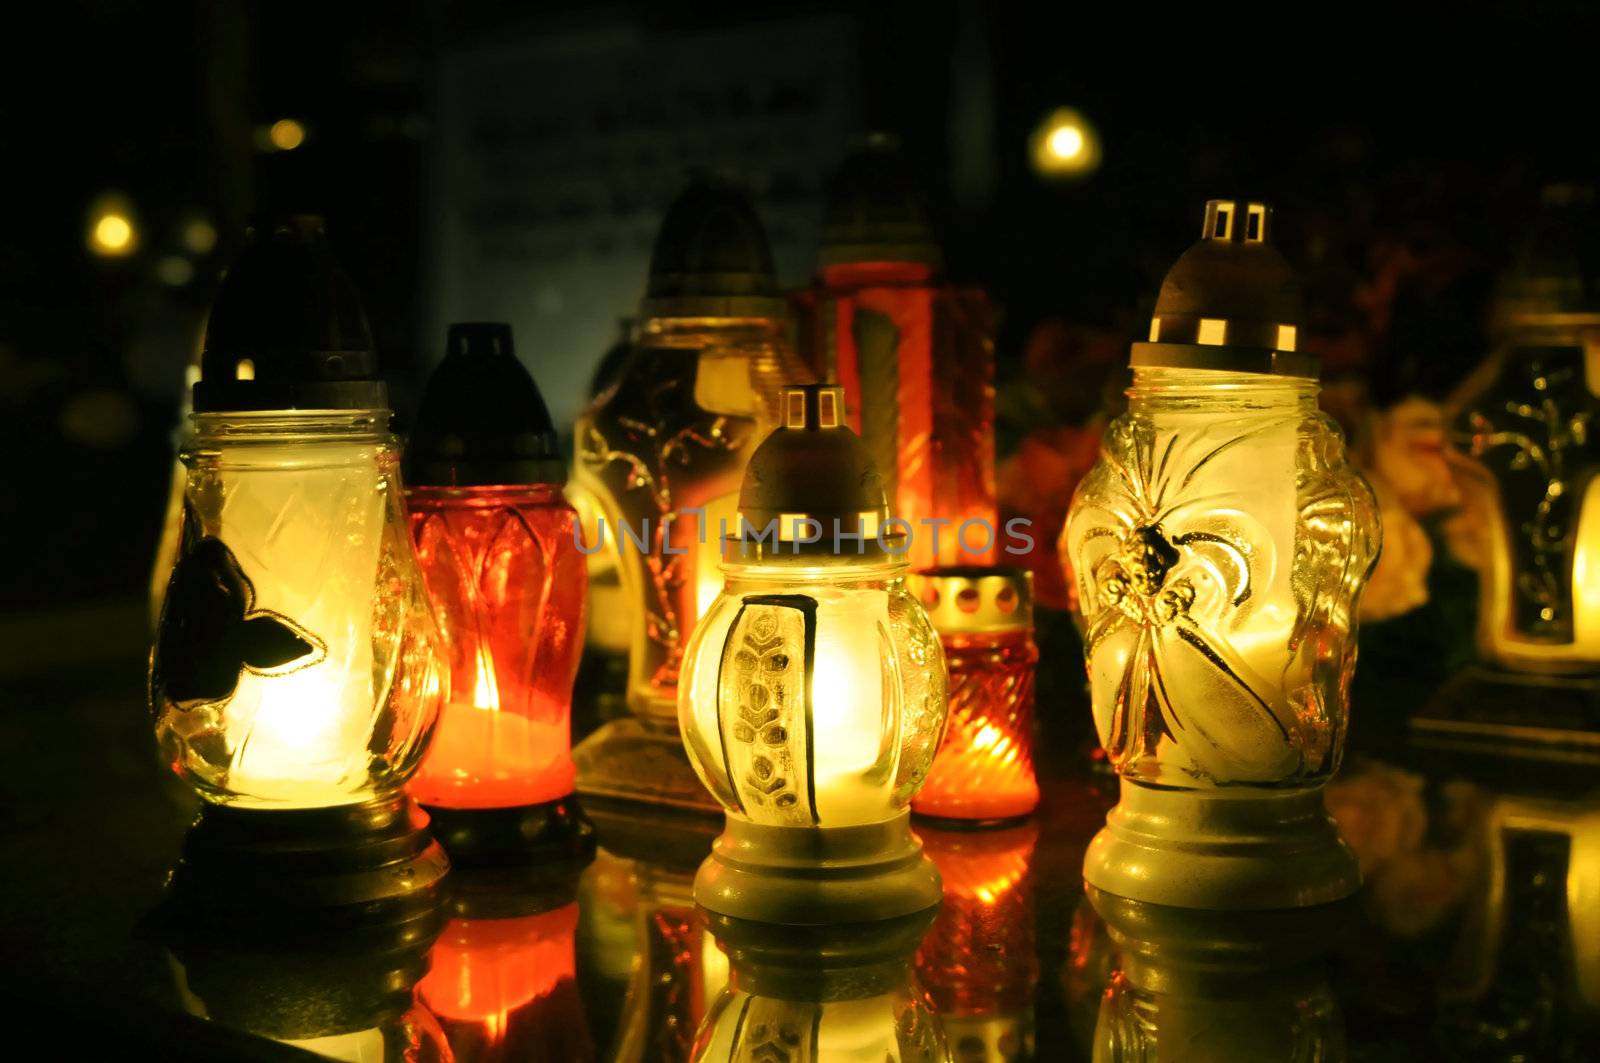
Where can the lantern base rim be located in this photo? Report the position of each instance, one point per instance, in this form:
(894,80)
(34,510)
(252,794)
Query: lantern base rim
(549,832)
(632,760)
(812,876)
(1250,851)
(373,862)
(943,820)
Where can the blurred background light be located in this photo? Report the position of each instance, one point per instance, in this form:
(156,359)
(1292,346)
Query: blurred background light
(112,233)
(175,270)
(199,236)
(285,134)
(1064,145)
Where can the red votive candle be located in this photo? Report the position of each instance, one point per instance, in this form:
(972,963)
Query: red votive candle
(495,539)
(984,769)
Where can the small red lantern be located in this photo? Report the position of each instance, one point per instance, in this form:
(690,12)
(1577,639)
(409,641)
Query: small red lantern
(495,538)
(984,769)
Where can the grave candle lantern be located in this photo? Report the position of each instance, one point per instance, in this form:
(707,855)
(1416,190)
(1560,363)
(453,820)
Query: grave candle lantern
(814,689)
(984,770)
(295,678)
(913,353)
(495,538)
(657,465)
(1219,547)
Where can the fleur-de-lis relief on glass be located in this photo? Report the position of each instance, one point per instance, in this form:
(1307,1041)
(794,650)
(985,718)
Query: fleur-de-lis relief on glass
(211,631)
(1217,564)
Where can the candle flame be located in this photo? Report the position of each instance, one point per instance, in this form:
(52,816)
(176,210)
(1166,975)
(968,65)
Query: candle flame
(485,693)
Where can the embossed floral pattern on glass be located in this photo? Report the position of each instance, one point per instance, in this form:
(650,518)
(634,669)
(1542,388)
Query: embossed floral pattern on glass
(1219,546)
(830,699)
(324,685)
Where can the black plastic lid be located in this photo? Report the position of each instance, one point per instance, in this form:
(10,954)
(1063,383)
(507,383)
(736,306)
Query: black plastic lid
(287,330)
(711,257)
(482,420)
(877,209)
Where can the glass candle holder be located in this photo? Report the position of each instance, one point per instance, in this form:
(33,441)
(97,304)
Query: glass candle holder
(1530,458)
(1219,546)
(658,461)
(814,694)
(913,353)
(984,770)
(496,541)
(295,666)
(295,679)
(824,993)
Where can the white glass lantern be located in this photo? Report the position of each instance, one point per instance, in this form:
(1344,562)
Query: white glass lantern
(814,693)
(295,679)
(1219,547)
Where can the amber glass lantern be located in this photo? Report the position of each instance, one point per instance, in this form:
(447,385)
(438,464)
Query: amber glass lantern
(659,456)
(1526,464)
(984,770)
(814,689)
(295,679)
(823,993)
(498,548)
(914,354)
(1219,546)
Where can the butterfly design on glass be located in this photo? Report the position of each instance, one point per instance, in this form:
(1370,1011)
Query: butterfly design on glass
(1172,568)
(211,631)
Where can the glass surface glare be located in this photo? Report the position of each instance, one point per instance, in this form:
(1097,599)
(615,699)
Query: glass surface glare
(815,694)
(297,661)
(1218,548)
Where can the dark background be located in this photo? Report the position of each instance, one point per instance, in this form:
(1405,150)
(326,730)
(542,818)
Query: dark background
(1402,146)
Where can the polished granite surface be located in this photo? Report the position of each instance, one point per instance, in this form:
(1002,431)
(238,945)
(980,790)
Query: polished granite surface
(1476,936)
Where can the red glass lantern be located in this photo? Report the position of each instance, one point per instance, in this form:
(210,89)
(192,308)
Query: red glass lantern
(984,770)
(914,355)
(496,541)
(978,962)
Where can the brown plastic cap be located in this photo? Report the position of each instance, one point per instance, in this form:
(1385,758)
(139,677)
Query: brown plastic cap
(813,466)
(1231,302)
